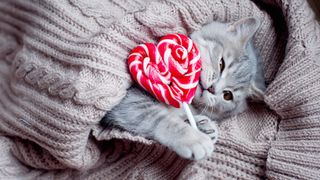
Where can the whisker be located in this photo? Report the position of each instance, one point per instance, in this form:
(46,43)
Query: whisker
(212,111)
(204,109)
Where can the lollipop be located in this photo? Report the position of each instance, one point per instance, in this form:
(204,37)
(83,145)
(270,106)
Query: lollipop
(169,71)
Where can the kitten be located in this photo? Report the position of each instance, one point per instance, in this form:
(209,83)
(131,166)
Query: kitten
(231,73)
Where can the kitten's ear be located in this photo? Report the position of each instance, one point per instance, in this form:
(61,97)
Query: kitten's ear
(244,29)
(197,37)
(256,91)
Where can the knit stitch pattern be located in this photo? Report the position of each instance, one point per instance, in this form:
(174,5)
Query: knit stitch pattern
(63,65)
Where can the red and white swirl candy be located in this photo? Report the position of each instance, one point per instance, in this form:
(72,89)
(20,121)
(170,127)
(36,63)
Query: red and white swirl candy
(170,71)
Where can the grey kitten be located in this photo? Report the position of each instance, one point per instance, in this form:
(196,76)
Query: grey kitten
(231,73)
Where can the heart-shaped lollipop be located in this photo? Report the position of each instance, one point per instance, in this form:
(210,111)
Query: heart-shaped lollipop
(169,71)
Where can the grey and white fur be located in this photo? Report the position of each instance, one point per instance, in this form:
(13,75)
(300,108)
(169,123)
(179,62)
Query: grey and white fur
(231,74)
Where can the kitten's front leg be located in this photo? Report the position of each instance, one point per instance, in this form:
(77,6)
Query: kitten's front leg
(207,126)
(183,139)
(141,114)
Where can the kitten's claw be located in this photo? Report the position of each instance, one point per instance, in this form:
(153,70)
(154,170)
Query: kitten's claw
(194,145)
(207,126)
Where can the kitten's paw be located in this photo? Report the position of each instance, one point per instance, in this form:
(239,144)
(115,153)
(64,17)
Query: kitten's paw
(207,126)
(193,145)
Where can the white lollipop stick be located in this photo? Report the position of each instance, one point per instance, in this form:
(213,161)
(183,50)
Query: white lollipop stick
(190,116)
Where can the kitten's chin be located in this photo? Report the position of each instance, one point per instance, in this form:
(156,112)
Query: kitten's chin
(197,100)
(198,92)
(208,98)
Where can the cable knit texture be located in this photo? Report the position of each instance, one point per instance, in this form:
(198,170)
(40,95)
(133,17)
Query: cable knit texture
(63,65)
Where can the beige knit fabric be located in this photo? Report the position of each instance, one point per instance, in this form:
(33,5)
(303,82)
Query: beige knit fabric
(63,65)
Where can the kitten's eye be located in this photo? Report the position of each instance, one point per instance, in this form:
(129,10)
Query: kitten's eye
(227,95)
(221,64)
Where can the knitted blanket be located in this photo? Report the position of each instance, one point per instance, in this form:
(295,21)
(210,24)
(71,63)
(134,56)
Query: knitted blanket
(63,66)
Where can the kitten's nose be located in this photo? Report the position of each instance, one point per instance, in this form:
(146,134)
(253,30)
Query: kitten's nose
(211,89)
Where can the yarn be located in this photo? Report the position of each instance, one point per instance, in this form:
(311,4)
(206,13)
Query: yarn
(63,65)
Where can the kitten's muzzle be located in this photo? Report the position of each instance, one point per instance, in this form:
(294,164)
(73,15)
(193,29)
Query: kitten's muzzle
(210,89)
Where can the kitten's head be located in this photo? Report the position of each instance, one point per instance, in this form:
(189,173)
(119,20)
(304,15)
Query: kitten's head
(231,71)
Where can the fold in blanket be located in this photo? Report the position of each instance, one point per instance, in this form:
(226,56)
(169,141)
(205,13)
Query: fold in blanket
(63,65)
